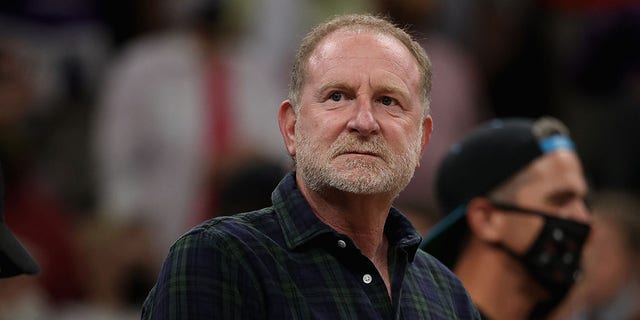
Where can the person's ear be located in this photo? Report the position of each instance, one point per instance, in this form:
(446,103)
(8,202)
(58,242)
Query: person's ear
(287,123)
(427,128)
(483,221)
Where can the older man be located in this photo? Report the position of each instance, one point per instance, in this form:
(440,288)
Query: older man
(331,246)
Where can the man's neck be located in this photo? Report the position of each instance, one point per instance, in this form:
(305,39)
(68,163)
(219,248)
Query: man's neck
(360,217)
(497,283)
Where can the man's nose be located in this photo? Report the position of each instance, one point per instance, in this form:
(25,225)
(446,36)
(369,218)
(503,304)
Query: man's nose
(579,211)
(364,120)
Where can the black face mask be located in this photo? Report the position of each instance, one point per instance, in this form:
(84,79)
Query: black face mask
(554,257)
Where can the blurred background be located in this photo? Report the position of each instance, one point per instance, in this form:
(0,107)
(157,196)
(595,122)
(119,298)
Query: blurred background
(125,123)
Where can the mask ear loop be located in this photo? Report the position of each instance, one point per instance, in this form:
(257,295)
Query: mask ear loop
(543,307)
(513,209)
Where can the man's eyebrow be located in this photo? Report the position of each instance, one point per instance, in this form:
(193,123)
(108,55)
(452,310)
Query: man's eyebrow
(388,87)
(562,195)
(333,84)
(392,88)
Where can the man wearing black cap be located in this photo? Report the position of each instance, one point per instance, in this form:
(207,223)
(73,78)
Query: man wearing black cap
(14,259)
(515,220)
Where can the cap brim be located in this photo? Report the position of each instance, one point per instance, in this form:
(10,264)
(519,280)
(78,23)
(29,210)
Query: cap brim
(14,258)
(443,239)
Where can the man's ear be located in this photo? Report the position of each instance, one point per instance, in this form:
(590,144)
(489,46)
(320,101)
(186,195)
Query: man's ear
(427,128)
(483,221)
(287,122)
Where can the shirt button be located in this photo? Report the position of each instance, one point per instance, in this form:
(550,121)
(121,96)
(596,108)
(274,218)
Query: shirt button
(558,235)
(367,278)
(342,244)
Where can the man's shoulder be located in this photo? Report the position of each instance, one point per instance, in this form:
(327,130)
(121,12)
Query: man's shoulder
(431,266)
(210,258)
(443,286)
(244,227)
(437,275)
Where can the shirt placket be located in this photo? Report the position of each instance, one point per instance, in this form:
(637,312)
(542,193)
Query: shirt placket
(398,264)
(365,273)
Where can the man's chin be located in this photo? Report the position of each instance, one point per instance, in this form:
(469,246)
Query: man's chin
(359,166)
(364,182)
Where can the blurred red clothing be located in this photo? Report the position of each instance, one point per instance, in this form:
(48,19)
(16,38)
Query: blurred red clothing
(40,223)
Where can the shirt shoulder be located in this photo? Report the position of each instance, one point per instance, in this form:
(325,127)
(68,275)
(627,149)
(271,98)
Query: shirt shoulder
(208,269)
(442,287)
(243,229)
(433,268)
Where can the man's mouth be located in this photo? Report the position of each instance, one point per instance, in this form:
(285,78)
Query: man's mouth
(360,153)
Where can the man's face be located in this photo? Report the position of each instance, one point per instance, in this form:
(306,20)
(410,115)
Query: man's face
(554,184)
(360,126)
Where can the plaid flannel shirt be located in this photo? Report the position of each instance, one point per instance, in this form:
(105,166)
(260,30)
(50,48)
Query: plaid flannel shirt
(282,262)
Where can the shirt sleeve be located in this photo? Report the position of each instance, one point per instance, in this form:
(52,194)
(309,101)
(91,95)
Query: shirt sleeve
(205,276)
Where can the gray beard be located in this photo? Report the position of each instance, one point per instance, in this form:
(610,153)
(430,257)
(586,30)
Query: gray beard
(359,176)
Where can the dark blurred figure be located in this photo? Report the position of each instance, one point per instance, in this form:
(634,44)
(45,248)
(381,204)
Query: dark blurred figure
(605,100)
(127,20)
(249,184)
(508,43)
(512,46)
(35,212)
(62,47)
(14,258)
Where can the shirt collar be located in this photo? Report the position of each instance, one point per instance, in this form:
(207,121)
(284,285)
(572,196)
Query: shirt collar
(300,225)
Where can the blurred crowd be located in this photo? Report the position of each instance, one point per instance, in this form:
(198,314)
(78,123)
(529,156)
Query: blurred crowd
(125,123)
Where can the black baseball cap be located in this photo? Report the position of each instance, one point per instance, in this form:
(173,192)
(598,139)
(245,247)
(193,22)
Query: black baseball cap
(14,258)
(487,157)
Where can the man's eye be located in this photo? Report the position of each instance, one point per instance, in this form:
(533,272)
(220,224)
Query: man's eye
(387,101)
(336,96)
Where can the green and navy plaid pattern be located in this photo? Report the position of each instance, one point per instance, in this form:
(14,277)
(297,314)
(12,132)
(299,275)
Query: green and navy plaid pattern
(282,262)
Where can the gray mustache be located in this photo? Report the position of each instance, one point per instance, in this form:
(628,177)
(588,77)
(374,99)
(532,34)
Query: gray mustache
(352,144)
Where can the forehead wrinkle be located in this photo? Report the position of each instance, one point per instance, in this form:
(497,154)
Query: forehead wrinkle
(327,54)
(386,84)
